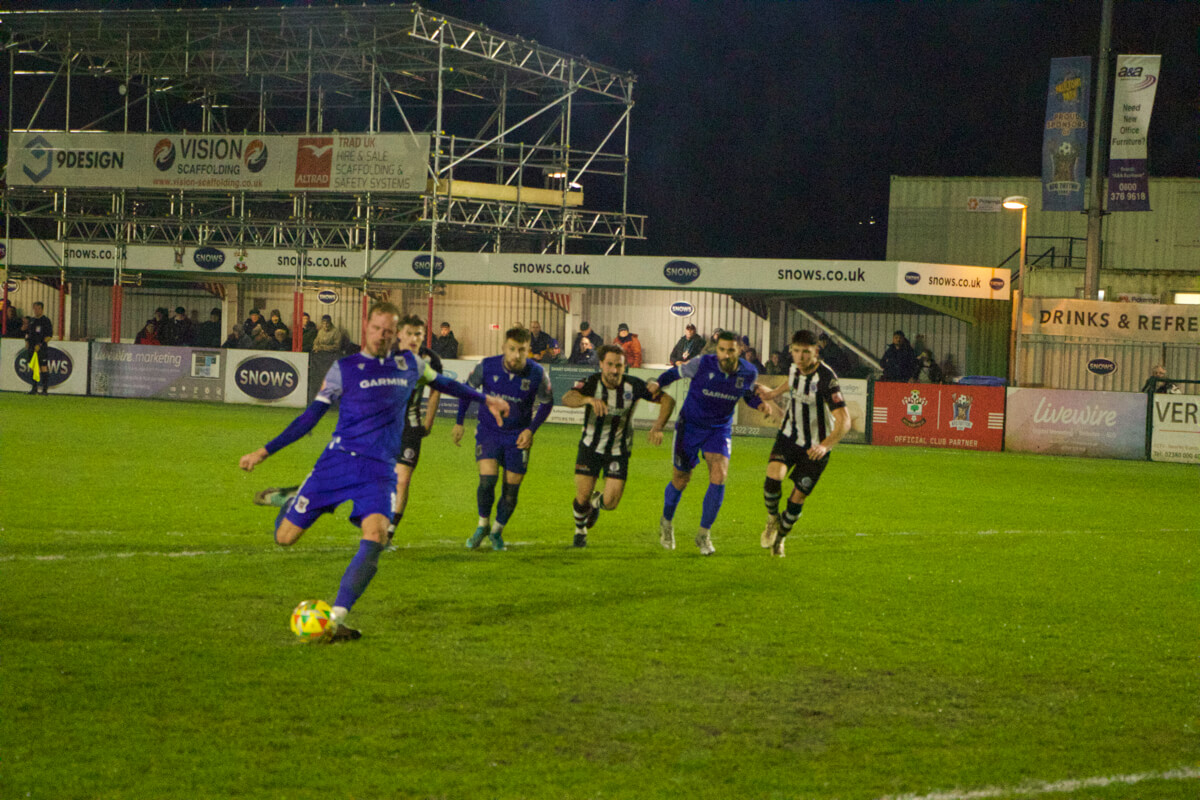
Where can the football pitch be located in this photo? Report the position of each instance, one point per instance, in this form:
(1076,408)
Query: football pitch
(945,624)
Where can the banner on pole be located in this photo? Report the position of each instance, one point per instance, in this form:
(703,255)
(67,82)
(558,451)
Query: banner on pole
(1064,142)
(1133,101)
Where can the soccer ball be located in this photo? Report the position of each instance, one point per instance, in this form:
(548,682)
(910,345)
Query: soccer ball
(310,620)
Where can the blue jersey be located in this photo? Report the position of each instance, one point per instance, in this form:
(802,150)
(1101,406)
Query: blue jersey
(374,393)
(524,391)
(713,395)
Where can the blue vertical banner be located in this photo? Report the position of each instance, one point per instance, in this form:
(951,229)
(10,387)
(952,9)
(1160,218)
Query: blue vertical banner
(1064,143)
(1133,100)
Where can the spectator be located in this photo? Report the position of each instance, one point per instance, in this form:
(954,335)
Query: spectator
(553,354)
(255,319)
(12,322)
(751,355)
(949,369)
(444,344)
(711,345)
(282,339)
(308,332)
(1157,383)
(689,346)
(899,362)
(834,356)
(586,356)
(928,370)
(275,323)
(148,334)
(236,334)
(180,329)
(330,338)
(539,345)
(585,332)
(774,365)
(628,342)
(208,334)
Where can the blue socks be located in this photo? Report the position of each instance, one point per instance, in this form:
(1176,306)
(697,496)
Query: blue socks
(671,501)
(508,503)
(359,573)
(712,504)
(485,495)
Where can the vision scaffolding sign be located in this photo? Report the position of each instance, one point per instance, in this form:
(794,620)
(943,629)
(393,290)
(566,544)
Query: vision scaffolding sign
(253,162)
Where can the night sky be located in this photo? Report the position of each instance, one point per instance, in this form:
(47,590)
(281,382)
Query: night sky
(771,129)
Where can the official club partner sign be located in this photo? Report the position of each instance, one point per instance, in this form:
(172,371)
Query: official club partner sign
(937,415)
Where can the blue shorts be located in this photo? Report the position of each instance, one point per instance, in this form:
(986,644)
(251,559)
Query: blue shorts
(502,449)
(339,477)
(692,440)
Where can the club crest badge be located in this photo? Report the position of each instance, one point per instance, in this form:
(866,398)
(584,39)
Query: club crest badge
(914,409)
(961,420)
(525,385)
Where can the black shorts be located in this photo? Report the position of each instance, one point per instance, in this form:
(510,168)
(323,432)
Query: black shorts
(410,446)
(589,462)
(803,470)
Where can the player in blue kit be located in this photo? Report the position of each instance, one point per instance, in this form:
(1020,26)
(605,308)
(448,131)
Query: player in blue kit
(524,384)
(705,426)
(359,465)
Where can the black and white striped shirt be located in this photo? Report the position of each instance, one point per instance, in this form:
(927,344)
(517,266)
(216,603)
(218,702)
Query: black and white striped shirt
(811,399)
(612,434)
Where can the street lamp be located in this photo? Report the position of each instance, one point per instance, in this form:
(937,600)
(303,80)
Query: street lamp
(1014,202)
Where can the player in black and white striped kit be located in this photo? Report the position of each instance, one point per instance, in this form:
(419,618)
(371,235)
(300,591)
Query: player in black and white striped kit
(610,396)
(815,419)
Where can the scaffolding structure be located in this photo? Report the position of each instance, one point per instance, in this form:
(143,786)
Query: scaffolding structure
(515,130)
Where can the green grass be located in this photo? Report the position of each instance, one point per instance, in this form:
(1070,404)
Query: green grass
(944,620)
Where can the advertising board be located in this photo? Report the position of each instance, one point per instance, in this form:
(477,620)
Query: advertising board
(267,377)
(1075,423)
(1175,429)
(938,415)
(165,373)
(64,364)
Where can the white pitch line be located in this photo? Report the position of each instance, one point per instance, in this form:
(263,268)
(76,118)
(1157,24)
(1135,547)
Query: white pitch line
(1052,787)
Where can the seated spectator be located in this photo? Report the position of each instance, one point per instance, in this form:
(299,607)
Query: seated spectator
(260,339)
(148,334)
(444,344)
(711,345)
(928,370)
(275,323)
(834,356)
(774,365)
(236,334)
(539,342)
(586,355)
(751,355)
(308,333)
(628,342)
(283,339)
(253,321)
(329,338)
(553,354)
(208,334)
(688,347)
(585,332)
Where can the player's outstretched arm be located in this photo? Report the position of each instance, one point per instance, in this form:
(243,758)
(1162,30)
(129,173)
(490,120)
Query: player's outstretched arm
(456,434)
(498,406)
(767,393)
(251,460)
